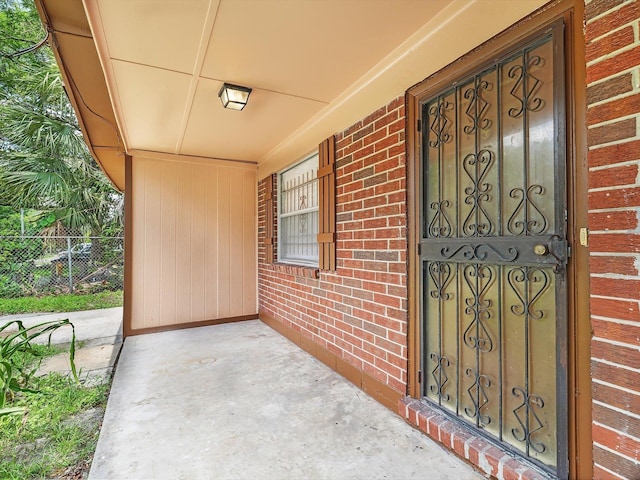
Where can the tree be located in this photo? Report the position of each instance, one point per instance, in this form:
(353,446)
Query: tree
(44,161)
(20,30)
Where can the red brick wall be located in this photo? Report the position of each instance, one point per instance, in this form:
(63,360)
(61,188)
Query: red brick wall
(613,117)
(358,312)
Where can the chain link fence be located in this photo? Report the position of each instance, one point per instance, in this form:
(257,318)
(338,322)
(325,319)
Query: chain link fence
(55,265)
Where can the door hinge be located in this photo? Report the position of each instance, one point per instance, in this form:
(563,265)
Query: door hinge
(419,125)
(419,376)
(419,249)
(568,251)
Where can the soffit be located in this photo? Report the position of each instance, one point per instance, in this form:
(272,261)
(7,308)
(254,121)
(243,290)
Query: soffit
(86,87)
(165,60)
(144,74)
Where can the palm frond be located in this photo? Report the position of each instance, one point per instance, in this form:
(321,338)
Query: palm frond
(44,161)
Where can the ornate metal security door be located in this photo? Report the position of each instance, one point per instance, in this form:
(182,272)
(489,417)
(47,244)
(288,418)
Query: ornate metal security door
(494,251)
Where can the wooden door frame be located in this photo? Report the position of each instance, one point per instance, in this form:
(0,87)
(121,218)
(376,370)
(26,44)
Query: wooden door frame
(128,247)
(580,445)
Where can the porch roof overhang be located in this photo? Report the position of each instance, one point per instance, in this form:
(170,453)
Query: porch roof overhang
(143,75)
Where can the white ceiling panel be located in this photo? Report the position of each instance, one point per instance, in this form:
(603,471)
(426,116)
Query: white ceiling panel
(213,131)
(153,104)
(162,33)
(312,49)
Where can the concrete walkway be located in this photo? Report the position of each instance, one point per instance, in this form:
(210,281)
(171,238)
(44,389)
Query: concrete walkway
(239,401)
(98,341)
(93,327)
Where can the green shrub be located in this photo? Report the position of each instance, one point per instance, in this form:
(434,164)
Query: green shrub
(17,355)
(9,288)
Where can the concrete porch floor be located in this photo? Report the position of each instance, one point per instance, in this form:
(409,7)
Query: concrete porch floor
(239,401)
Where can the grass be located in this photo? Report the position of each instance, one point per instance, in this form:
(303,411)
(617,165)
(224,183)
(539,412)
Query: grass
(60,303)
(42,351)
(52,436)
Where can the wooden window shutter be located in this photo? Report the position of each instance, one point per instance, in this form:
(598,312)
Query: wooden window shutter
(327,204)
(269,240)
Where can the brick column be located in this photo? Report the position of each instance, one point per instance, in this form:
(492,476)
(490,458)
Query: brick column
(613,97)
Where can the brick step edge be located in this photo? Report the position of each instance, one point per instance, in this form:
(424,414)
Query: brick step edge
(482,454)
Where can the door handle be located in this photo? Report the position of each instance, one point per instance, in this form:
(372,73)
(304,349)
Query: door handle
(556,248)
(541,250)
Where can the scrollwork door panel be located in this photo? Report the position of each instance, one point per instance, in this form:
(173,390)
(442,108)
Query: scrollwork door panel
(477,152)
(494,251)
(480,341)
(441,288)
(529,360)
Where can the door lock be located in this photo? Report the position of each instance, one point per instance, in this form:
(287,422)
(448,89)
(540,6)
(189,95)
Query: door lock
(541,249)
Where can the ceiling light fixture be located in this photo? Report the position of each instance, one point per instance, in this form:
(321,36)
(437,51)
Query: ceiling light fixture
(234,97)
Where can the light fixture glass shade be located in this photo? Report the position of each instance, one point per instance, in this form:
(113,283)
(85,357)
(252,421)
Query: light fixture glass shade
(234,97)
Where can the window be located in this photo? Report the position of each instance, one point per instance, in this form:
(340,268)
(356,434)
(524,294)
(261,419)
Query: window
(300,206)
(298,213)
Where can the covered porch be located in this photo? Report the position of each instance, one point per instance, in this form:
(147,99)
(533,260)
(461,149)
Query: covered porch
(369,103)
(240,401)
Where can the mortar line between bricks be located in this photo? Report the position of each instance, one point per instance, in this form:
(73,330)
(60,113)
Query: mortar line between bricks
(614,121)
(615,143)
(617,365)
(618,387)
(619,410)
(616,343)
(615,53)
(620,454)
(614,276)
(604,14)
(630,323)
(609,471)
(615,165)
(615,254)
(612,188)
(630,69)
(617,430)
(612,210)
(620,96)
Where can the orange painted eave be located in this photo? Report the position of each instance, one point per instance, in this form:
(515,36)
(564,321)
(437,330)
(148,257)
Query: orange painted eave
(75,52)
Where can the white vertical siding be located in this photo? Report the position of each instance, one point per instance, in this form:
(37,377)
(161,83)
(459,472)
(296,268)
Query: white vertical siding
(194,241)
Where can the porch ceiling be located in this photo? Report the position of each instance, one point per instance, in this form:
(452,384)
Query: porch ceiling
(166,60)
(143,75)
